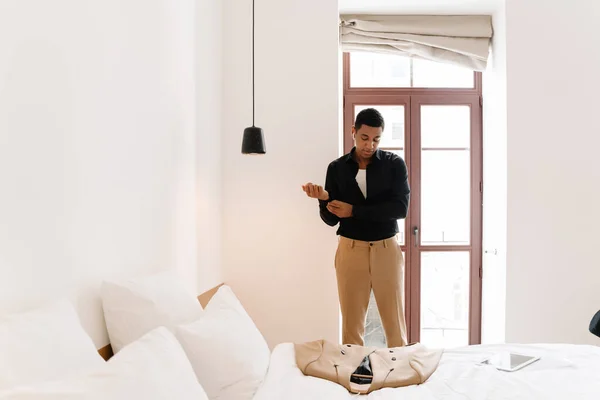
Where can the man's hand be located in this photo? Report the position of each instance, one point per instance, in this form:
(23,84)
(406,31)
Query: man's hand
(315,191)
(340,209)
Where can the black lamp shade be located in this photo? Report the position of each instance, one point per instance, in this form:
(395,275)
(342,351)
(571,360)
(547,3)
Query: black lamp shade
(595,324)
(253,141)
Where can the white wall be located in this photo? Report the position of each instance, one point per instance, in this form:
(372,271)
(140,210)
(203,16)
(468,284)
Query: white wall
(553,59)
(493,324)
(209,95)
(97,143)
(277,254)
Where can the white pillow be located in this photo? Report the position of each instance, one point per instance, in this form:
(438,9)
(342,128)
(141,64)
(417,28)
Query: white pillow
(134,307)
(152,368)
(226,350)
(44,344)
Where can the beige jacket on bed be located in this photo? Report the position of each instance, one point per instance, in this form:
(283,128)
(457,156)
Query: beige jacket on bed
(391,367)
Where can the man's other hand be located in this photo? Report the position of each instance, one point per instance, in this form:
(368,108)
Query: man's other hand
(315,191)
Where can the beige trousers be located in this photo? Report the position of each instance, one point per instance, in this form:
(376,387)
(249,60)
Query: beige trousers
(362,266)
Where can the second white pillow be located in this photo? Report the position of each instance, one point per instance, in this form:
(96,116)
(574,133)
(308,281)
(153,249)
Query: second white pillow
(136,306)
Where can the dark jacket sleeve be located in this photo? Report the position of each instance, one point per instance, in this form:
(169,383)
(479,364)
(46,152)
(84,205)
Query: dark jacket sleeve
(396,207)
(331,187)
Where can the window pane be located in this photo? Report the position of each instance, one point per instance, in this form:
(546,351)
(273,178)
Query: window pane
(431,74)
(445,197)
(374,334)
(379,70)
(393,134)
(445,299)
(391,140)
(445,126)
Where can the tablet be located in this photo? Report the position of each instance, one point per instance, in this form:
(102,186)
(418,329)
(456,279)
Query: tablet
(506,361)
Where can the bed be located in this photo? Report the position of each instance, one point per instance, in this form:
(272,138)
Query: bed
(563,372)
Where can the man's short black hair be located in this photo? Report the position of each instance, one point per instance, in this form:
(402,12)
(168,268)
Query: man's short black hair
(370,117)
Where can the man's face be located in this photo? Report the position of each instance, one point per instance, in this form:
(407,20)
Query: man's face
(366,140)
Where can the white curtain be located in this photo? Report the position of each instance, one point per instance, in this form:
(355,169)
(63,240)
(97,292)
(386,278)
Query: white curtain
(460,40)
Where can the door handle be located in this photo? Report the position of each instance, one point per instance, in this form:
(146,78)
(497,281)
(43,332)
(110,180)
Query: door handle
(416,235)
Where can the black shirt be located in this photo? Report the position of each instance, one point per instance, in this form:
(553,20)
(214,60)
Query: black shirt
(388,195)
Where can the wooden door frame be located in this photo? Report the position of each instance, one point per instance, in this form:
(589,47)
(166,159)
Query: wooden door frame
(411,98)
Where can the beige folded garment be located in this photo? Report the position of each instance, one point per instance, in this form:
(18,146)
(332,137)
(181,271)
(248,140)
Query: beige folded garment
(362,369)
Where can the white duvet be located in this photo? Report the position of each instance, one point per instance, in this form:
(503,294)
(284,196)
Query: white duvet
(570,372)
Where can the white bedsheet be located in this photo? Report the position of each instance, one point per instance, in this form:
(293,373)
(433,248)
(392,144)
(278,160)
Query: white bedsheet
(565,372)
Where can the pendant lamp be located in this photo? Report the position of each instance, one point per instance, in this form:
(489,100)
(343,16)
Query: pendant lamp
(253,141)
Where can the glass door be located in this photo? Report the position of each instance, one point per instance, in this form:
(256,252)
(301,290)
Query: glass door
(445,220)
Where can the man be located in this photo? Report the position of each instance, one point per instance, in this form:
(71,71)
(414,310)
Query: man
(366,191)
